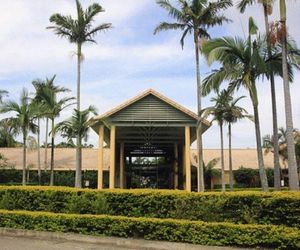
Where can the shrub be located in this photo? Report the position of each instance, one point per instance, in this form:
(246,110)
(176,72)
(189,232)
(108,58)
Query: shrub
(248,177)
(281,208)
(61,178)
(218,234)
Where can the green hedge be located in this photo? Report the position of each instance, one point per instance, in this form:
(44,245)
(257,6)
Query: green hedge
(279,208)
(249,177)
(217,234)
(61,177)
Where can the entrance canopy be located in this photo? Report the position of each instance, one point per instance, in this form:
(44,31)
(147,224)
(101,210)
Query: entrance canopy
(147,125)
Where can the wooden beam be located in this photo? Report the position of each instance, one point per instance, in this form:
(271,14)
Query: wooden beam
(155,124)
(143,138)
(175,166)
(112,165)
(183,167)
(100,157)
(122,165)
(187,159)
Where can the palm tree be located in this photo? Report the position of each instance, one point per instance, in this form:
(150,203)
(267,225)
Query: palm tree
(210,172)
(79,31)
(7,133)
(293,173)
(39,85)
(233,114)
(195,17)
(37,101)
(218,111)
(267,8)
(2,93)
(282,140)
(25,113)
(242,64)
(52,107)
(80,124)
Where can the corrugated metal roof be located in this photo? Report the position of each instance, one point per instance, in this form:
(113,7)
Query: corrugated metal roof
(154,107)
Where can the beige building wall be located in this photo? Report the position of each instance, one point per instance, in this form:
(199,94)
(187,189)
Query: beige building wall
(65,158)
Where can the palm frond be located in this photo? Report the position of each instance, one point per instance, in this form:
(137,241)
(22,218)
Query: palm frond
(172,11)
(92,11)
(10,106)
(78,30)
(243,4)
(2,93)
(102,27)
(186,31)
(213,81)
(169,26)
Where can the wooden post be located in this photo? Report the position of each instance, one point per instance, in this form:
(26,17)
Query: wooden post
(112,165)
(122,168)
(188,186)
(175,166)
(100,157)
(183,167)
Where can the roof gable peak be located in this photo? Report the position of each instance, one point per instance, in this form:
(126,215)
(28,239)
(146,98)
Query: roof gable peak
(144,94)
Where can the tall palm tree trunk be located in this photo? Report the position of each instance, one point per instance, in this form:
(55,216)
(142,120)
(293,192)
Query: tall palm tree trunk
(222,159)
(230,158)
(78,74)
(293,173)
(79,160)
(78,178)
(24,159)
(46,145)
(78,139)
(39,152)
(276,161)
(200,179)
(262,171)
(52,155)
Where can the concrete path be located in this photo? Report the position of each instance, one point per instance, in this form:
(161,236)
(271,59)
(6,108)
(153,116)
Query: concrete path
(11,239)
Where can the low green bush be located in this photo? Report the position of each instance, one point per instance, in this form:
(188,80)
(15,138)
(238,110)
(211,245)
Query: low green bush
(249,177)
(61,177)
(279,208)
(196,232)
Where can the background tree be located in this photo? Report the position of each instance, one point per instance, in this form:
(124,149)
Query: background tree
(242,64)
(22,121)
(2,93)
(32,146)
(293,173)
(210,171)
(268,9)
(78,124)
(282,139)
(79,31)
(39,85)
(218,111)
(7,134)
(195,17)
(52,106)
(233,114)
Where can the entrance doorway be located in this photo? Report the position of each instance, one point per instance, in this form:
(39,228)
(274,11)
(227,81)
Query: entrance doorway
(149,172)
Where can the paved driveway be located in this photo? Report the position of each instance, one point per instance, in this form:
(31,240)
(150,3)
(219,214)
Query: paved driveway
(18,239)
(21,243)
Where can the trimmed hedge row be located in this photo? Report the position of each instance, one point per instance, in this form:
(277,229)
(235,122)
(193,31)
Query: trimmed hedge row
(196,232)
(279,208)
(61,177)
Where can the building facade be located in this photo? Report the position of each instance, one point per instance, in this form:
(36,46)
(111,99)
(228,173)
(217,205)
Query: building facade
(148,136)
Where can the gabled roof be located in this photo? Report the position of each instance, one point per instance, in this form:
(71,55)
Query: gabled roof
(143,95)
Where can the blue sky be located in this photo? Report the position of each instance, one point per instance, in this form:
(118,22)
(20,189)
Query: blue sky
(127,59)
